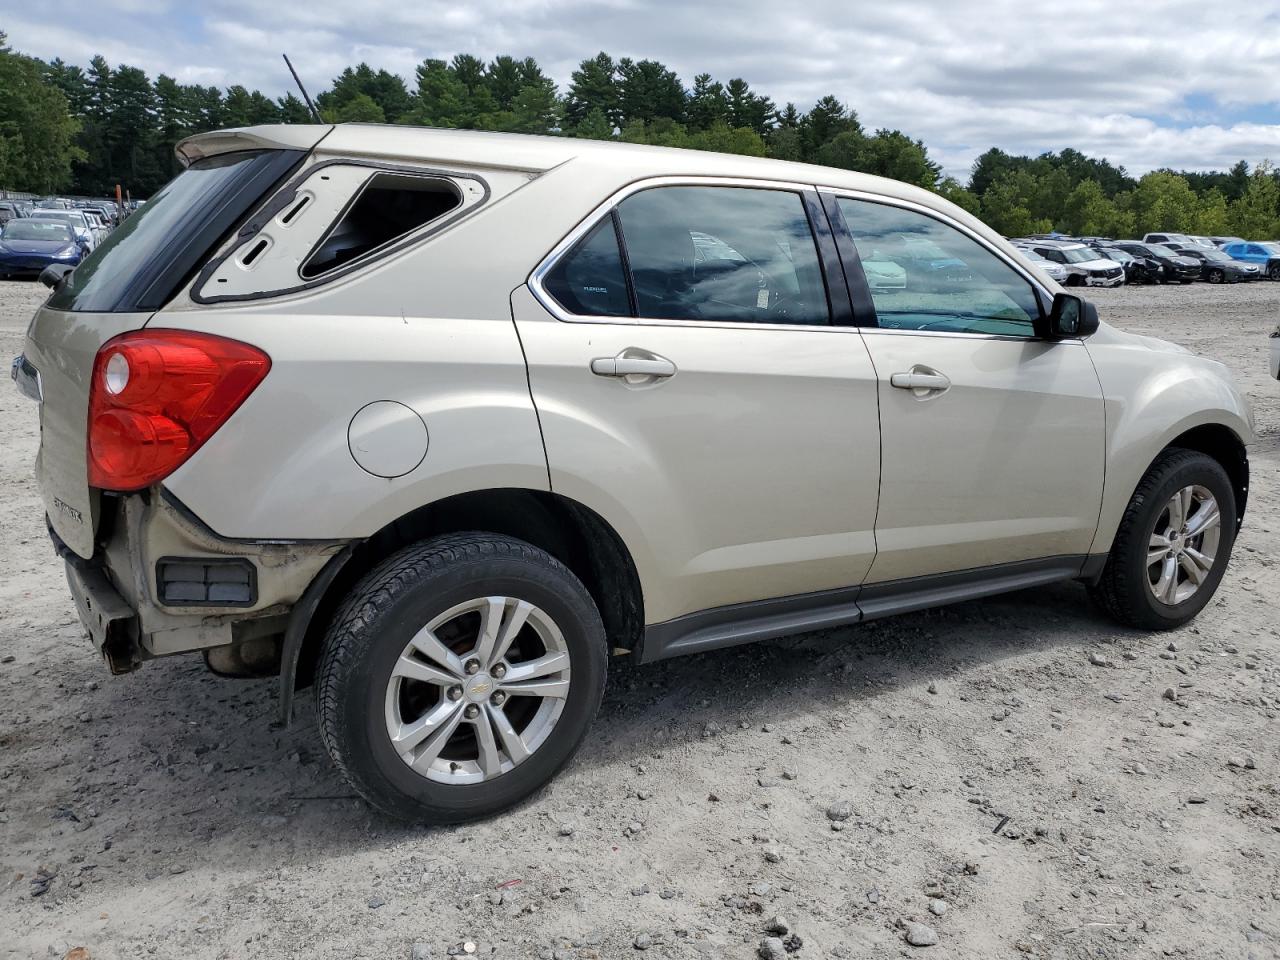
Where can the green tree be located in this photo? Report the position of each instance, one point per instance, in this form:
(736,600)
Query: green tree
(359,109)
(442,98)
(1163,201)
(1256,215)
(293,110)
(708,103)
(951,189)
(594,86)
(648,90)
(1213,217)
(594,126)
(891,153)
(36,127)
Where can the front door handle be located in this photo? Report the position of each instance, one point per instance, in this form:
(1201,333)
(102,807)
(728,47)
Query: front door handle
(922,381)
(624,365)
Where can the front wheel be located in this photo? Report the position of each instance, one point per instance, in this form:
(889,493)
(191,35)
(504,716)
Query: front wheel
(1173,544)
(459,676)
(1273,271)
(1216,276)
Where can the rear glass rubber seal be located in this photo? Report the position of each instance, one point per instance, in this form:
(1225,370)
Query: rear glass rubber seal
(287,194)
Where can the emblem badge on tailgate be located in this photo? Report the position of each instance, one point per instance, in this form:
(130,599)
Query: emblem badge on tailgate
(69,510)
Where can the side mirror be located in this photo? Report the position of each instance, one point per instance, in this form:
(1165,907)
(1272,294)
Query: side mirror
(52,275)
(1071,317)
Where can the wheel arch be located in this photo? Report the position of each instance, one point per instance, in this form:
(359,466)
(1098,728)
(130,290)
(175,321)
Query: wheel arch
(574,534)
(1220,442)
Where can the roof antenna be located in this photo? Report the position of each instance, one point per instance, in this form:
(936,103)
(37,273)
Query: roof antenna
(311,106)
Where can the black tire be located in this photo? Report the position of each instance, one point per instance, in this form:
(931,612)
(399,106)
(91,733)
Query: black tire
(1216,276)
(372,627)
(1273,271)
(1124,590)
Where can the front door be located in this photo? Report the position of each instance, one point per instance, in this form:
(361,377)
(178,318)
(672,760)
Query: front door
(693,391)
(993,441)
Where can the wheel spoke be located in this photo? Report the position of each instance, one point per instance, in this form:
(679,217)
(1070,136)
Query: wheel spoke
(429,645)
(413,733)
(538,688)
(1206,518)
(1177,513)
(413,669)
(490,626)
(512,624)
(511,741)
(489,758)
(1167,585)
(426,756)
(1194,573)
(532,669)
(1202,560)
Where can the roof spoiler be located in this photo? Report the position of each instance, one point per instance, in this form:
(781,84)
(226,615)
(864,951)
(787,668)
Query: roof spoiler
(280,136)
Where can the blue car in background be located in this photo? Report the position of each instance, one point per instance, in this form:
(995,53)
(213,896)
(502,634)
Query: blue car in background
(28,246)
(1265,255)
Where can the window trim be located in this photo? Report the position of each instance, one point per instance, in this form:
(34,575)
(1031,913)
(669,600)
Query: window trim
(262,216)
(844,240)
(610,205)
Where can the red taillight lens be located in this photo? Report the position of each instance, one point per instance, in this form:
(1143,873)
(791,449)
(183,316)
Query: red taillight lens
(157,395)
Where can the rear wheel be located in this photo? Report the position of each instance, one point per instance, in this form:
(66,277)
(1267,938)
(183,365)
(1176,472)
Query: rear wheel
(459,676)
(1174,541)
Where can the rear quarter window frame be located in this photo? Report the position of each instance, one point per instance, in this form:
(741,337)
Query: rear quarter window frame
(285,196)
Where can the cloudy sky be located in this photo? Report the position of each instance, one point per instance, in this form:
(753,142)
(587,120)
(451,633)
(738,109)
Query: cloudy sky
(1181,83)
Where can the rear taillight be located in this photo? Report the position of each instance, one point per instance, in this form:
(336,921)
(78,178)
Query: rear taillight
(157,395)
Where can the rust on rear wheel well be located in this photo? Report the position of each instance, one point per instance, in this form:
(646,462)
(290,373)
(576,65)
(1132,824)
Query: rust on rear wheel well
(573,534)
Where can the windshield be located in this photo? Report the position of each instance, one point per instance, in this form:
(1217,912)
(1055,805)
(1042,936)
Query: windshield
(1216,255)
(1077,254)
(36,230)
(73,218)
(1119,256)
(1270,247)
(141,263)
(1161,251)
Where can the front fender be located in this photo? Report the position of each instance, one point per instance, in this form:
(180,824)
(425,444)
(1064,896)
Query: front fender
(1154,394)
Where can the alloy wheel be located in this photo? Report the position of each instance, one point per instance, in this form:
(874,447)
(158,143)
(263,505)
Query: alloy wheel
(477,690)
(1183,545)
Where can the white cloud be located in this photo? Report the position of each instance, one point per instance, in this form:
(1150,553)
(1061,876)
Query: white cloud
(1109,79)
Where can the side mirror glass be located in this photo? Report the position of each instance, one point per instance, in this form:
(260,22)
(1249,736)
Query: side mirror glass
(1071,317)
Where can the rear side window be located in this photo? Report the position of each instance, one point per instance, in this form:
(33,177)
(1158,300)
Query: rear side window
(723,253)
(729,254)
(590,280)
(390,206)
(145,260)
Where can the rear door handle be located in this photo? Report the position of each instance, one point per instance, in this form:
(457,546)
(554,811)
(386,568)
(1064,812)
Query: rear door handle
(921,381)
(627,366)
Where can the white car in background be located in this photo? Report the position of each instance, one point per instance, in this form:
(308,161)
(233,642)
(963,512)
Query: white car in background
(1095,271)
(884,275)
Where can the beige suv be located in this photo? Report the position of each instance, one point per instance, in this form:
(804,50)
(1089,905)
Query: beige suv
(436,423)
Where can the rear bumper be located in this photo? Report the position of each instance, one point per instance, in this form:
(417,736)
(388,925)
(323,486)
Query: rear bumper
(125,605)
(112,625)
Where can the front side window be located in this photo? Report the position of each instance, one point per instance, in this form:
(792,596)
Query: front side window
(723,253)
(952,283)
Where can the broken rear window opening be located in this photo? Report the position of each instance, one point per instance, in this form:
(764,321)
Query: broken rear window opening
(389,206)
(146,259)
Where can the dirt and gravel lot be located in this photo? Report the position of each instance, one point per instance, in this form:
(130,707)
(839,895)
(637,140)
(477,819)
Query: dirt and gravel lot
(843,783)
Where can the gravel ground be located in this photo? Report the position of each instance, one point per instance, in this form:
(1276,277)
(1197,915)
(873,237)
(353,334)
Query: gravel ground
(841,792)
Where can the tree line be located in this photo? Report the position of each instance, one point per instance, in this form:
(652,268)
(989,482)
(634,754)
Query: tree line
(82,130)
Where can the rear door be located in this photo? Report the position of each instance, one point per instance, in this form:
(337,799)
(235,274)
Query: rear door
(116,289)
(696,388)
(992,439)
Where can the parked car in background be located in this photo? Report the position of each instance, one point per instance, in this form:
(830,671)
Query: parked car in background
(74,219)
(28,245)
(8,210)
(1176,267)
(1216,266)
(1265,255)
(1200,241)
(1166,238)
(1095,270)
(1136,269)
(1058,272)
(1223,241)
